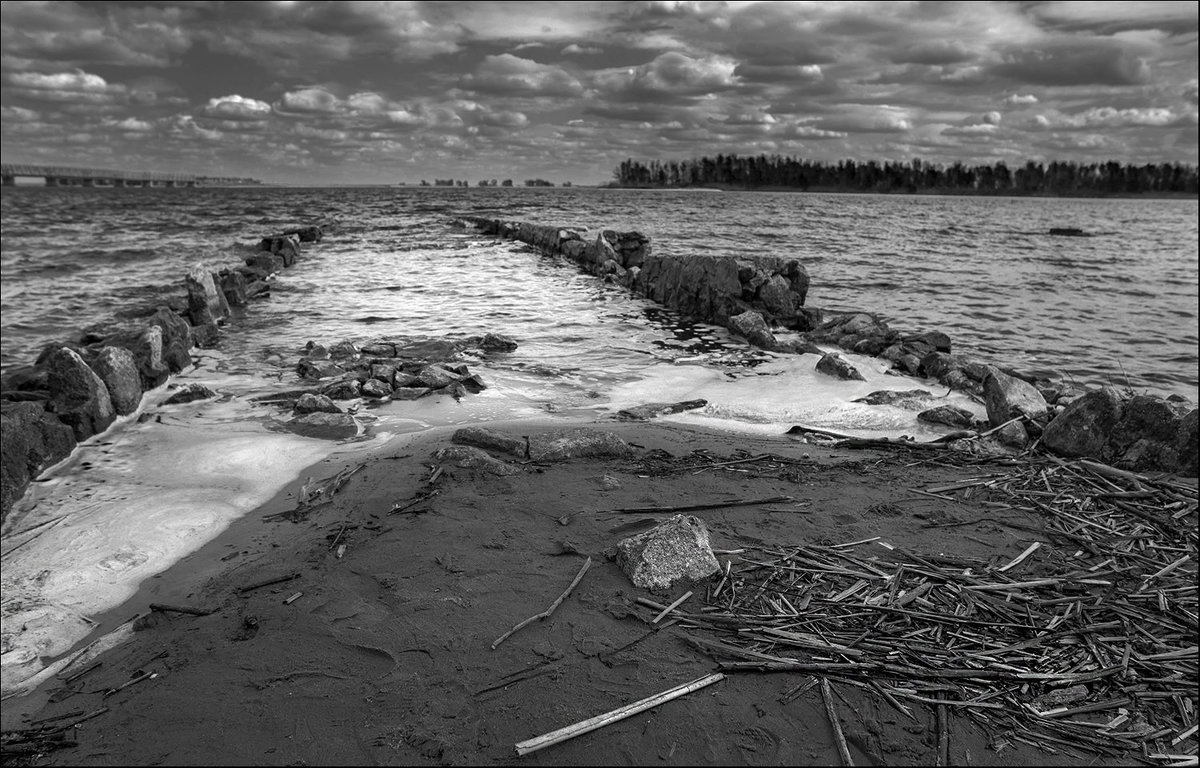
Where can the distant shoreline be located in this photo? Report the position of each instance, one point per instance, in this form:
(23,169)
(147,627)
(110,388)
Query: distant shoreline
(908,193)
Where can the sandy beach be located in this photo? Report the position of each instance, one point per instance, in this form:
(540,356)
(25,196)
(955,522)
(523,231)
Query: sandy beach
(385,656)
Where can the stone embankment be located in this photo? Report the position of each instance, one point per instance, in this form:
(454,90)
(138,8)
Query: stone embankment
(753,296)
(78,388)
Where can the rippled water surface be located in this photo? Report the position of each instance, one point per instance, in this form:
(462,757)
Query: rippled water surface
(1117,307)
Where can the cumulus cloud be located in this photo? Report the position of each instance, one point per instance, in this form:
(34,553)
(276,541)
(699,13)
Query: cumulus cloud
(867,118)
(509,74)
(76,86)
(1110,117)
(669,75)
(237,108)
(575,49)
(316,100)
(1021,99)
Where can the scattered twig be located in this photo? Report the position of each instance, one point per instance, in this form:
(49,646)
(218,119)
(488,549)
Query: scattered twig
(546,613)
(695,507)
(838,737)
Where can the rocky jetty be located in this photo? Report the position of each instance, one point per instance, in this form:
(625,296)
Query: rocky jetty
(77,388)
(753,297)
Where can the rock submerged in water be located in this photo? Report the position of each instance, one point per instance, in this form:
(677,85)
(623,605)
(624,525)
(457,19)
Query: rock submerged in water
(753,327)
(314,403)
(671,553)
(325,426)
(832,364)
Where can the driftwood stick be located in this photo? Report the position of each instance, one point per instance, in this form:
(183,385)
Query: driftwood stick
(671,607)
(166,608)
(616,715)
(943,753)
(546,613)
(843,750)
(695,507)
(268,582)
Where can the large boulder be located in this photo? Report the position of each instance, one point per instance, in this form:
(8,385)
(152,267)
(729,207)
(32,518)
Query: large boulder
(752,325)
(176,339)
(1084,426)
(1150,433)
(117,368)
(777,297)
(147,350)
(31,439)
(833,365)
(77,394)
(287,247)
(309,234)
(673,552)
(206,304)
(1008,397)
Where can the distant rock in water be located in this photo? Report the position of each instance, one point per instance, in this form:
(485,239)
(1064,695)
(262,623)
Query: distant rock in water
(651,410)
(1068,232)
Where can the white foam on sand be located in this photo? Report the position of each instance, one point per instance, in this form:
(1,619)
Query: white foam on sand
(125,507)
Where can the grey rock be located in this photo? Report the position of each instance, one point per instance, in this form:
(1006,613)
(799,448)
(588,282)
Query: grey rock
(751,325)
(313,403)
(652,410)
(490,440)
(317,369)
(117,368)
(470,457)
(309,234)
(190,394)
(233,286)
(673,552)
(1084,426)
(777,297)
(833,365)
(77,395)
(436,377)
(949,415)
(935,339)
(1013,435)
(912,399)
(31,439)
(206,305)
(410,393)
(1008,397)
(375,388)
(578,443)
(345,389)
(325,426)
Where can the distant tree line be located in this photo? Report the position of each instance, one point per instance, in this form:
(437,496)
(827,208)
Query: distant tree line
(1033,178)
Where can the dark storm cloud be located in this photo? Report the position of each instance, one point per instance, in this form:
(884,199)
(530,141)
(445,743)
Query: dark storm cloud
(1071,62)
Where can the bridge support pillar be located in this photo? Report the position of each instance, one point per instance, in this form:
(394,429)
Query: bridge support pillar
(52,181)
(8,181)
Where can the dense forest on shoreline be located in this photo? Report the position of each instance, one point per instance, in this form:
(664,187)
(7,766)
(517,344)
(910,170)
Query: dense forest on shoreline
(1066,179)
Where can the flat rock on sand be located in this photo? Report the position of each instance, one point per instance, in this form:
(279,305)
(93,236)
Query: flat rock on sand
(385,657)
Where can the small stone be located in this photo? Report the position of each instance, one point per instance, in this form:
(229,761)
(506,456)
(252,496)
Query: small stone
(375,388)
(469,457)
(950,415)
(326,426)
(313,403)
(190,393)
(833,365)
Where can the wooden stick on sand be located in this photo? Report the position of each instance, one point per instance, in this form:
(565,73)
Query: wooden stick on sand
(599,721)
(546,613)
(843,750)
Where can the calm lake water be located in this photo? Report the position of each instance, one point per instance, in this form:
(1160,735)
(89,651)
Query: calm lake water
(1118,307)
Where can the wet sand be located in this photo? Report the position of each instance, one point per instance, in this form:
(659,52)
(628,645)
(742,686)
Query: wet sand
(386,657)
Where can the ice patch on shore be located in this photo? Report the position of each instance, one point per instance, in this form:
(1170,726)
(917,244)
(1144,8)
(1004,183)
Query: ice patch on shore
(129,507)
(777,394)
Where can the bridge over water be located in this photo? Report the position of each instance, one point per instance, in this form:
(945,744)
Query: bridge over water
(62,176)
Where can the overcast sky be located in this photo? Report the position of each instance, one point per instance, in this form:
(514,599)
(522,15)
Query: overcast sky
(384,92)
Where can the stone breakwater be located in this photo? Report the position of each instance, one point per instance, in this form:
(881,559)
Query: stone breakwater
(78,388)
(754,296)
